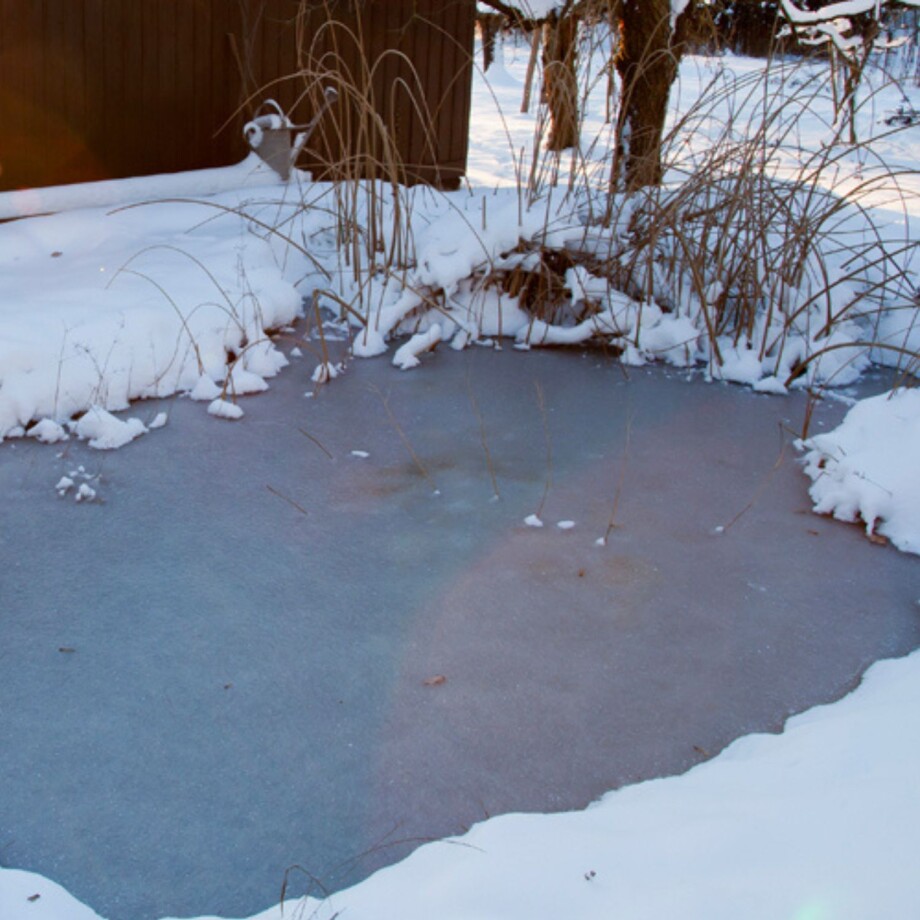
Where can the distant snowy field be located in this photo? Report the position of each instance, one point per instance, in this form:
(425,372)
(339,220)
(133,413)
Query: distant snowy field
(101,308)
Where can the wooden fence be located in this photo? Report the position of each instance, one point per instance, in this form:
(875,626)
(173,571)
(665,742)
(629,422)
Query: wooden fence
(93,89)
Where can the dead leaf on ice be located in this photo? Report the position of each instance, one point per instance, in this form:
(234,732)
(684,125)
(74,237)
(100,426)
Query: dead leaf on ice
(877,539)
(435,681)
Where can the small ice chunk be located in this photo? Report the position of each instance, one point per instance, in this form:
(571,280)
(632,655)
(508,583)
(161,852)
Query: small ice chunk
(600,541)
(565,525)
(532,520)
(363,454)
(85,493)
(64,484)
(224,409)
(296,352)
(48,431)
(159,421)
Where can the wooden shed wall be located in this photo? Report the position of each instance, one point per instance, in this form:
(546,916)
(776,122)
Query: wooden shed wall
(94,89)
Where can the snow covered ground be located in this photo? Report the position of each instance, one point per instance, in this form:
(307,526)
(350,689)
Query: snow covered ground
(100,308)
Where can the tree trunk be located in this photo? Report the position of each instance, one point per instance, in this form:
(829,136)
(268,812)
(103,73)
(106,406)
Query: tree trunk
(560,80)
(647,64)
(489,25)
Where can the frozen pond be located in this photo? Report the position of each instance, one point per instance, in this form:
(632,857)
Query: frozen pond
(233,663)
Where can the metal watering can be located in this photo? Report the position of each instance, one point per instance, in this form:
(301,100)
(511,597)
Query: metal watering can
(278,141)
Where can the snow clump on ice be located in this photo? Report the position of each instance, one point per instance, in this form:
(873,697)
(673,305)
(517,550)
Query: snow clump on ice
(868,469)
(106,432)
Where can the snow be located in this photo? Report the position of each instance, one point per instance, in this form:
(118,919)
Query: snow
(532,9)
(868,469)
(326,371)
(251,172)
(406,356)
(106,432)
(65,483)
(85,493)
(47,431)
(101,308)
(222,408)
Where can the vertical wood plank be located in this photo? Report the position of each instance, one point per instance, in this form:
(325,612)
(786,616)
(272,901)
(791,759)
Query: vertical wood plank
(94,81)
(182,117)
(33,101)
(112,55)
(202,103)
(74,75)
(135,139)
(152,108)
(166,78)
(14,90)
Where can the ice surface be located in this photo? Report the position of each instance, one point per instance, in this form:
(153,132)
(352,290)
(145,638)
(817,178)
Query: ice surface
(253,674)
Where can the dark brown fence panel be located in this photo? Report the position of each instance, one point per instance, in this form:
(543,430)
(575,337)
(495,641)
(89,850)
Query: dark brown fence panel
(93,89)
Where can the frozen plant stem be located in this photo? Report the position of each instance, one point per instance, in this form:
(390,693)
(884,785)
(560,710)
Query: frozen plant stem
(406,442)
(482,436)
(618,491)
(317,442)
(763,485)
(541,405)
(290,501)
(321,331)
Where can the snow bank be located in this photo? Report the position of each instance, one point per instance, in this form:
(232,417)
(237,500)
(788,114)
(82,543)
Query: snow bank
(822,820)
(101,308)
(250,173)
(868,469)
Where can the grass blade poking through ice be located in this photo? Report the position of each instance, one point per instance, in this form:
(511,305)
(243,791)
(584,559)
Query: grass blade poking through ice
(618,491)
(285,498)
(482,437)
(541,404)
(406,442)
